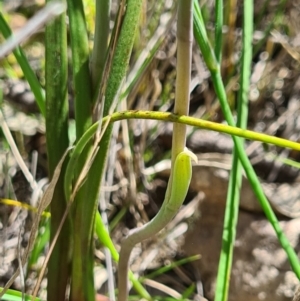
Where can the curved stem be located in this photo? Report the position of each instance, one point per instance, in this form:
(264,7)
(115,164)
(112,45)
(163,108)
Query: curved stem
(222,128)
(56,75)
(233,131)
(182,175)
(172,200)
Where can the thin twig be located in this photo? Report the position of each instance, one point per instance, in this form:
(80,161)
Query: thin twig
(52,10)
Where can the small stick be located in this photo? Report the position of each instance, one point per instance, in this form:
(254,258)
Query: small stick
(45,15)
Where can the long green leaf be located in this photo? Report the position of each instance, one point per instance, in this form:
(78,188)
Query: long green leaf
(235,181)
(82,264)
(57,143)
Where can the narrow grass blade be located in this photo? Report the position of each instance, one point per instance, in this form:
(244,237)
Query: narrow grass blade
(235,181)
(57,142)
(105,239)
(173,265)
(41,242)
(204,45)
(169,117)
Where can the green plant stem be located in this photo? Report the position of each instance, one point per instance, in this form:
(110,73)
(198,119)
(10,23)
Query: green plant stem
(192,121)
(167,117)
(172,200)
(34,84)
(171,266)
(201,38)
(182,173)
(184,58)
(183,78)
(105,239)
(57,143)
(208,54)
(235,181)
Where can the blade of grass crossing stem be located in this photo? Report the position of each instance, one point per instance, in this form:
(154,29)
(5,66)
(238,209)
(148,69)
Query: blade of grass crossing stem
(13,295)
(57,143)
(203,41)
(188,292)
(82,287)
(26,68)
(235,182)
(218,30)
(208,55)
(167,117)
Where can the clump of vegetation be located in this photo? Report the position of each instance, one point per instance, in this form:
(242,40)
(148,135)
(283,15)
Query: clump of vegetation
(100,76)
